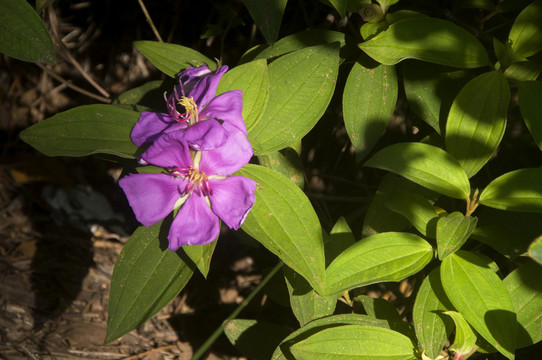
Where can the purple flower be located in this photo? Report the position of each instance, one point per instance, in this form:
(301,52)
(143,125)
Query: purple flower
(194,109)
(197,181)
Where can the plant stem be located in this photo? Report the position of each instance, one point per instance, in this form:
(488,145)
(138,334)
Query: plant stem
(236,312)
(149,20)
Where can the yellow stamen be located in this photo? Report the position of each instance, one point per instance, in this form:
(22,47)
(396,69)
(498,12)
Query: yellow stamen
(190,107)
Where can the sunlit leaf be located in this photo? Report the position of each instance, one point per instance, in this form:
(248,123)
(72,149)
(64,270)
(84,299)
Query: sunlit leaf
(172,58)
(519,190)
(85,130)
(201,256)
(354,342)
(428,39)
(147,276)
(535,250)
(480,296)
(465,337)
(284,221)
(477,120)
(526,32)
(452,232)
(378,258)
(339,239)
(417,209)
(301,86)
(369,100)
(432,327)
(525,289)
(22,33)
(425,165)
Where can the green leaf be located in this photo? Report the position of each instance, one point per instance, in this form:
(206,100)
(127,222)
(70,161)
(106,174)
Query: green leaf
(526,32)
(306,304)
(284,221)
(477,120)
(255,339)
(149,94)
(340,6)
(171,58)
(297,41)
(508,243)
(525,70)
(529,95)
(369,99)
(201,256)
(340,238)
(425,165)
(535,250)
(287,162)
(378,308)
(147,276)
(283,351)
(452,232)
(465,337)
(378,258)
(253,79)
(525,289)
(418,210)
(355,342)
(432,328)
(85,130)
(480,296)
(301,86)
(267,15)
(23,35)
(428,39)
(430,90)
(519,190)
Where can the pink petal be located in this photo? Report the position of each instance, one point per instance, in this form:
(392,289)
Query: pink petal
(204,89)
(227,107)
(232,198)
(149,127)
(151,196)
(205,135)
(195,224)
(169,150)
(230,157)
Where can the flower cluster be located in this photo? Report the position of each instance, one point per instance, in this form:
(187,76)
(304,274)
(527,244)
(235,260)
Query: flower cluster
(199,142)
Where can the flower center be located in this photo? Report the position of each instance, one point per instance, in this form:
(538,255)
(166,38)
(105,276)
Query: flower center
(197,181)
(182,108)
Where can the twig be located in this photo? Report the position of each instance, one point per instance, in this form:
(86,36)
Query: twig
(236,312)
(74,87)
(68,55)
(149,20)
(161,348)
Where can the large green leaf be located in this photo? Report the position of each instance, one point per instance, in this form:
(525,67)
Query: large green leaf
(378,258)
(526,32)
(267,15)
(147,276)
(432,327)
(529,95)
(287,162)
(425,165)
(519,190)
(283,351)
(477,120)
(301,40)
(85,130)
(417,209)
(430,90)
(301,86)
(480,296)
(255,339)
(172,58)
(253,79)
(22,33)
(369,100)
(355,342)
(428,39)
(452,232)
(284,221)
(525,289)
(306,303)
